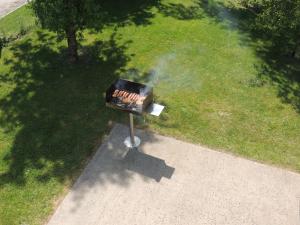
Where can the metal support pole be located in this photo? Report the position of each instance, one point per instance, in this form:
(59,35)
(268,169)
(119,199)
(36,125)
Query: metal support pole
(132,141)
(131,129)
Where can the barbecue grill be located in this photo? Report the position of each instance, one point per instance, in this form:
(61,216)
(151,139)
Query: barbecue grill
(134,98)
(129,96)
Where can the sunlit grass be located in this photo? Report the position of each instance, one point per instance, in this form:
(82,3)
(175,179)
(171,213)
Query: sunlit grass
(21,19)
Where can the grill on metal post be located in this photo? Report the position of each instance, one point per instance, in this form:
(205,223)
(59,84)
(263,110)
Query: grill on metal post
(134,98)
(132,141)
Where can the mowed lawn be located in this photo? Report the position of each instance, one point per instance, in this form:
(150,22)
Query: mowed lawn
(13,23)
(204,69)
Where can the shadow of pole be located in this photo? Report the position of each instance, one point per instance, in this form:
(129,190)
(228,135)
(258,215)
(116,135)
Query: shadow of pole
(147,165)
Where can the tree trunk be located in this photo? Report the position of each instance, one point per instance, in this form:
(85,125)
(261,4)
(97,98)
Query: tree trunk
(72,44)
(293,54)
(294,51)
(296,48)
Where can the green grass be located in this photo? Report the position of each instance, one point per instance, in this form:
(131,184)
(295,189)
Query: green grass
(14,22)
(204,70)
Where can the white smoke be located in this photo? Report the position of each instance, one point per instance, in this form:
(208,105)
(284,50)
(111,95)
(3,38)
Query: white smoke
(171,73)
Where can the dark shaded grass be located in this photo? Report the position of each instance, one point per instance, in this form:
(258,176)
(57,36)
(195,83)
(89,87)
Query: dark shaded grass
(58,107)
(57,115)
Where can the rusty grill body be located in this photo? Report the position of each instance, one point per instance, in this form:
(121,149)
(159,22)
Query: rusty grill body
(129,96)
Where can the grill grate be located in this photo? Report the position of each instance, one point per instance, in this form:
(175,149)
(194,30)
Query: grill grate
(129,96)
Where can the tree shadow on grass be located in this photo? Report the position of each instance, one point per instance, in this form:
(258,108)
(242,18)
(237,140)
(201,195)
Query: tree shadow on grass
(180,11)
(140,12)
(56,110)
(122,13)
(278,67)
(284,74)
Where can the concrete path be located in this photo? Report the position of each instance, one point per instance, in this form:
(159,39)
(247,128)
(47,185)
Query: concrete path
(7,6)
(177,183)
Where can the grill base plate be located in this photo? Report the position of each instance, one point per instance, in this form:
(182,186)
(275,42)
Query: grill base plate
(128,144)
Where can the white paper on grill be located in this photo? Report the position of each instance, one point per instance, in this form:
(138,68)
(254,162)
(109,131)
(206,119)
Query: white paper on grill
(155,109)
